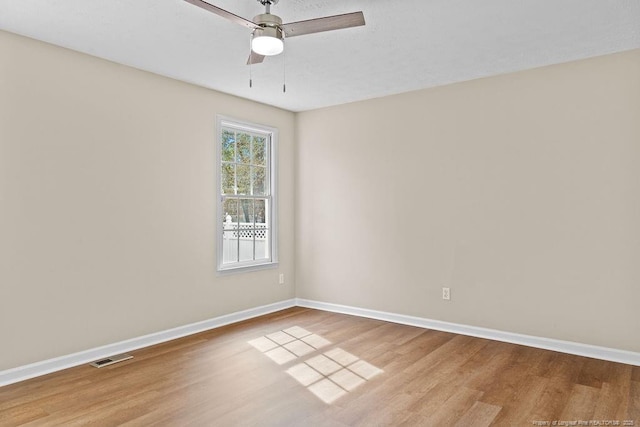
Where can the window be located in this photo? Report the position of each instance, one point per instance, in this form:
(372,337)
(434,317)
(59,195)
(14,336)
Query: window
(247,221)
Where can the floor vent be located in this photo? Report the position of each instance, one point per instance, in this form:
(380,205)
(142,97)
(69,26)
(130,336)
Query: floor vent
(111,360)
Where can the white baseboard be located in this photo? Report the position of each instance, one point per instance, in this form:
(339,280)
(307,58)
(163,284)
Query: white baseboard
(604,353)
(32,370)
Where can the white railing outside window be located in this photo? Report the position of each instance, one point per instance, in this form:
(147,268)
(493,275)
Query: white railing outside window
(242,240)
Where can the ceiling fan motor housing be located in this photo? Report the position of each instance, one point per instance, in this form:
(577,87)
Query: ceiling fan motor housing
(268,20)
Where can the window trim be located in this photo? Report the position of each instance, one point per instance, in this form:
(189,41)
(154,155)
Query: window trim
(245,266)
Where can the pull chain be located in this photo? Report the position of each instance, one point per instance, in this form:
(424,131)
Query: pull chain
(284,67)
(251,60)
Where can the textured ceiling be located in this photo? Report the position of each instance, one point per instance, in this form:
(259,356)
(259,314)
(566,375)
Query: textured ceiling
(406,44)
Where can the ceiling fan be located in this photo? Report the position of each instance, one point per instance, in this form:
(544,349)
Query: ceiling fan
(269,32)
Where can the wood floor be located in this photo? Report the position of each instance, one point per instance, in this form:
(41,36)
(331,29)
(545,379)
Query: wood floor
(372,373)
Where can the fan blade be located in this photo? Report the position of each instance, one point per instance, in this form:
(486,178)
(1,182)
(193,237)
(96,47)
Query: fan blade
(225,14)
(255,58)
(328,23)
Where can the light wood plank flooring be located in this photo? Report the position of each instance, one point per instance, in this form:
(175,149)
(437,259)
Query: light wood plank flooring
(332,370)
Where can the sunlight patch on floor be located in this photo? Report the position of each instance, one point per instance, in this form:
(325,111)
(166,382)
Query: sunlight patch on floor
(333,374)
(329,375)
(289,344)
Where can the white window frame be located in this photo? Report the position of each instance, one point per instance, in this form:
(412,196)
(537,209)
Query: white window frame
(272,148)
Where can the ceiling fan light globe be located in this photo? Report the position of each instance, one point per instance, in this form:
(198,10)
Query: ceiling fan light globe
(267,41)
(267,45)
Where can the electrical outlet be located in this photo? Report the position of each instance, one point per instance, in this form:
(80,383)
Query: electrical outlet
(282,278)
(446,293)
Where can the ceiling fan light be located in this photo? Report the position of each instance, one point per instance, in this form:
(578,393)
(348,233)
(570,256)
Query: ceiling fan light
(267,42)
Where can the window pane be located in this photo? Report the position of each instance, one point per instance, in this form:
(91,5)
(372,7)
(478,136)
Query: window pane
(230,231)
(246,211)
(244,148)
(246,246)
(261,213)
(247,231)
(228,146)
(258,177)
(259,151)
(229,247)
(228,178)
(243,179)
(262,244)
(230,219)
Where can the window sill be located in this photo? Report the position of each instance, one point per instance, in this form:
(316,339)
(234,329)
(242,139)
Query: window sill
(225,271)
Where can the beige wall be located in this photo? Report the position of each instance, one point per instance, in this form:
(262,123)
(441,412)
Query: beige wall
(521,192)
(106,203)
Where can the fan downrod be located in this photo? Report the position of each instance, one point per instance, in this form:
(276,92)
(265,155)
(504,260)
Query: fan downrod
(267,4)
